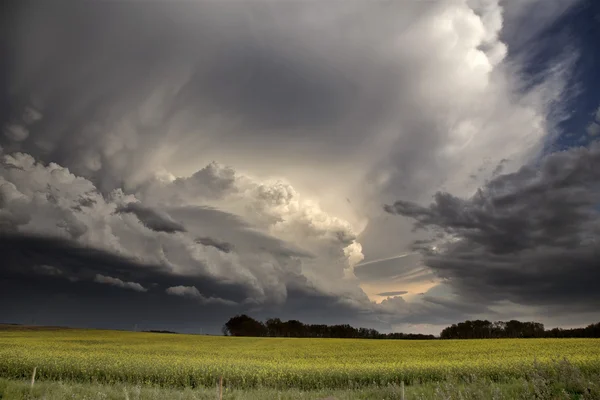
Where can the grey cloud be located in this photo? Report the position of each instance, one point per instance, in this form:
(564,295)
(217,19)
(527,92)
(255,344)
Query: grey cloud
(192,291)
(109,280)
(86,202)
(30,293)
(268,83)
(432,310)
(208,222)
(457,305)
(31,115)
(24,254)
(255,86)
(237,81)
(407,269)
(397,293)
(183,291)
(48,270)
(153,219)
(16,132)
(293,93)
(530,237)
(222,246)
(444,311)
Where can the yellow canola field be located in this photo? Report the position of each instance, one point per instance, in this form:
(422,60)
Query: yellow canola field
(191,360)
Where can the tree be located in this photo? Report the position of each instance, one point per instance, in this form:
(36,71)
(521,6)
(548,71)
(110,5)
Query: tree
(274,327)
(514,329)
(243,325)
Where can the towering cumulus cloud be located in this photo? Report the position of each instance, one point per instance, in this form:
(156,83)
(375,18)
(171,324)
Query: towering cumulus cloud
(220,157)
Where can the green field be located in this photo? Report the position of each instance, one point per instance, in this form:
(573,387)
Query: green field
(178,361)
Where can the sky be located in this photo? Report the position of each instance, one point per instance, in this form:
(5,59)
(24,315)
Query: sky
(399,165)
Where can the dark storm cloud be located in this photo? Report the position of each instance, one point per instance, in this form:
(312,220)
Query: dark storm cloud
(153,219)
(23,255)
(217,57)
(530,237)
(89,304)
(86,77)
(88,290)
(55,301)
(397,293)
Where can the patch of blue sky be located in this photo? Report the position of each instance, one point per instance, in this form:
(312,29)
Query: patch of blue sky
(576,31)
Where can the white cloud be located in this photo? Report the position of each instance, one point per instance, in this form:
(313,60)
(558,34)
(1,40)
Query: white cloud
(277,209)
(260,219)
(109,280)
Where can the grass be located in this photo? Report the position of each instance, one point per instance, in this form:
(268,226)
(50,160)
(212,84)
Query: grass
(569,384)
(108,363)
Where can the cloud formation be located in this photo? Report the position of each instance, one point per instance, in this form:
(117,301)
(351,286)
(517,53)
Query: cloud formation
(223,246)
(312,80)
(244,149)
(593,129)
(192,291)
(389,294)
(49,201)
(529,237)
(109,280)
(157,221)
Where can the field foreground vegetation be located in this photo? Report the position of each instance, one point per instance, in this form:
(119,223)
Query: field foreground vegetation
(191,361)
(569,386)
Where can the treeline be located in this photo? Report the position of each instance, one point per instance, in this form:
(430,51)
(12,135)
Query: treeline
(243,325)
(514,329)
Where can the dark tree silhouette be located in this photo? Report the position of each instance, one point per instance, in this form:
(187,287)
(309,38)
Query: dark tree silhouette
(243,325)
(514,329)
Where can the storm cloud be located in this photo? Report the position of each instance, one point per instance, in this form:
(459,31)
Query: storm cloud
(234,156)
(159,222)
(223,246)
(530,237)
